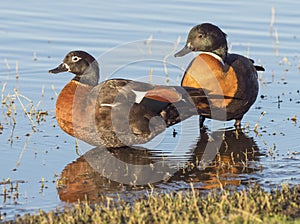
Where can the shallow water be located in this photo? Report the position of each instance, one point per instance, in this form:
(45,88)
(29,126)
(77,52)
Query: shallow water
(129,39)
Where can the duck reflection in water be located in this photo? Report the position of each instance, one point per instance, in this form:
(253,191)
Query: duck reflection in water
(216,160)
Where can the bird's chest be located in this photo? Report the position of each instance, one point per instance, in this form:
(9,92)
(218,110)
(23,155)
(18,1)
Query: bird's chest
(207,73)
(71,106)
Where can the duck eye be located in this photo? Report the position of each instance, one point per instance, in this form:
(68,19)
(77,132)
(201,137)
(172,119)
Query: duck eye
(200,35)
(75,58)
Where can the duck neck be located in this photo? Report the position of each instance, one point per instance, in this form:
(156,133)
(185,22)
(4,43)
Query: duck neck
(90,76)
(222,51)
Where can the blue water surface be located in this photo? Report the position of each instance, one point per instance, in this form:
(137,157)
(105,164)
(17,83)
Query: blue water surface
(128,38)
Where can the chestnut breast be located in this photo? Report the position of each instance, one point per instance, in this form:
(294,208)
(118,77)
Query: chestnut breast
(71,107)
(207,72)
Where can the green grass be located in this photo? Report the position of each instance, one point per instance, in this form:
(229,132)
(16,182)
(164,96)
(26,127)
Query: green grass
(254,205)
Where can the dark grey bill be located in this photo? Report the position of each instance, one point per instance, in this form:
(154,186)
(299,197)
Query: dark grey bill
(183,52)
(61,68)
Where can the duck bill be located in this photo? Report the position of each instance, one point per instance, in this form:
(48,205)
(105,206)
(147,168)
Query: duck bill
(183,51)
(61,68)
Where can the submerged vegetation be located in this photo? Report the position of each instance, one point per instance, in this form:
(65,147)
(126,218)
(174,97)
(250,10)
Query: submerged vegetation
(254,205)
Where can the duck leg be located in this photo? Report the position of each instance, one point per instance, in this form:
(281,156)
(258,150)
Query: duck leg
(201,121)
(237,123)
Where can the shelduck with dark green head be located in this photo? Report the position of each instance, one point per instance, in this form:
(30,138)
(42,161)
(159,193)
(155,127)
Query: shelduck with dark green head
(231,75)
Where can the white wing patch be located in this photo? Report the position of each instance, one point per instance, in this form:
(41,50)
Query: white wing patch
(139,95)
(109,104)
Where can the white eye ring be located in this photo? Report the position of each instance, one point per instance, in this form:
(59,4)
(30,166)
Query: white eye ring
(75,58)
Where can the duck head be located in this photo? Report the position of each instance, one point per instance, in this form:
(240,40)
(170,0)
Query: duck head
(205,37)
(83,65)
